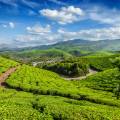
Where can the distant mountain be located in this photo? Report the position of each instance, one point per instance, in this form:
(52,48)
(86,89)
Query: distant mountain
(4,47)
(85,45)
(64,49)
(74,45)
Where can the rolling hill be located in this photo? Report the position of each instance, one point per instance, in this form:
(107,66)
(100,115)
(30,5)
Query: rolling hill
(33,93)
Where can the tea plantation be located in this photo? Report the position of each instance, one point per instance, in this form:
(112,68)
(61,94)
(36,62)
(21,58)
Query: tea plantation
(36,94)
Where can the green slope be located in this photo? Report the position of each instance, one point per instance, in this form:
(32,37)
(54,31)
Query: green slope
(5,64)
(46,53)
(43,95)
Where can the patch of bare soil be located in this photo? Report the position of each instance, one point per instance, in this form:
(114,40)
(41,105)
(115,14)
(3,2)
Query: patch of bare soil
(5,75)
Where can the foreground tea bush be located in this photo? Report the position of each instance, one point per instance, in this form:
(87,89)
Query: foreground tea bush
(67,109)
(106,80)
(5,64)
(18,106)
(41,81)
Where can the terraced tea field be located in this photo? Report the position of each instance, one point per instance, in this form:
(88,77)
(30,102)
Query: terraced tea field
(38,94)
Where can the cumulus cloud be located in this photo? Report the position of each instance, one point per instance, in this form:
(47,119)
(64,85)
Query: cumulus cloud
(38,29)
(8,25)
(11,25)
(92,34)
(33,40)
(65,15)
(72,14)
(40,35)
(37,35)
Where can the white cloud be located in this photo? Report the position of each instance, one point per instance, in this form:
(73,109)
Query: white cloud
(72,14)
(40,35)
(8,25)
(12,25)
(37,35)
(92,34)
(4,26)
(65,15)
(103,15)
(32,40)
(38,29)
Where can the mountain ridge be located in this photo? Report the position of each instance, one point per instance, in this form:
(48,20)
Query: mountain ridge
(110,45)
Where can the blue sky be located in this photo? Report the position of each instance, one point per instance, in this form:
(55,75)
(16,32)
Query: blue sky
(38,22)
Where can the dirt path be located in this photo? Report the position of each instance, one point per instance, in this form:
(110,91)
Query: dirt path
(91,72)
(5,75)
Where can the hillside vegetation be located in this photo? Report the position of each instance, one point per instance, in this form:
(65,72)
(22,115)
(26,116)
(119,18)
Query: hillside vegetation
(33,93)
(29,56)
(5,64)
(70,67)
(41,81)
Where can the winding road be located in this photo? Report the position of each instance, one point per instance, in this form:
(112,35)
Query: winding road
(5,75)
(91,72)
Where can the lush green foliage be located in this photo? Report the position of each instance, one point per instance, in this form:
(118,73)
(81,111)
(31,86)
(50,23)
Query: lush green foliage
(48,53)
(6,64)
(41,81)
(68,109)
(100,63)
(18,106)
(117,91)
(69,68)
(29,56)
(44,82)
(90,99)
(106,80)
(101,54)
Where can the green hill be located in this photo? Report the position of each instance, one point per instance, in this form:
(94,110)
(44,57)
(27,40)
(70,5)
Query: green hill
(33,93)
(28,56)
(46,53)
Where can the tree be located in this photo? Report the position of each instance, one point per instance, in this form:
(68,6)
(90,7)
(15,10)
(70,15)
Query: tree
(75,69)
